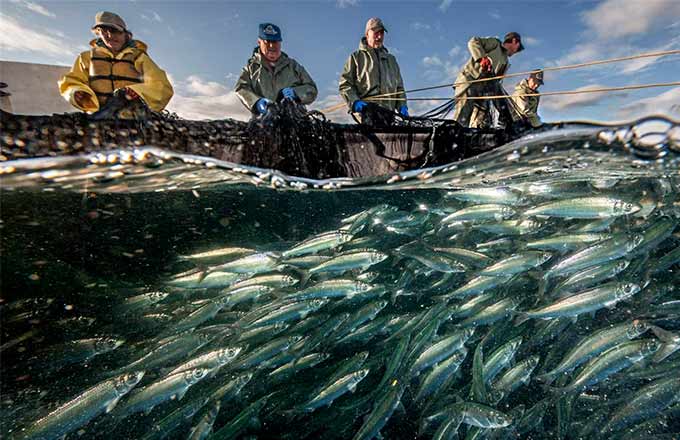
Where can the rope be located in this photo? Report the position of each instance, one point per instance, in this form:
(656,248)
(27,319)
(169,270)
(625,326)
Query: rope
(565,92)
(570,66)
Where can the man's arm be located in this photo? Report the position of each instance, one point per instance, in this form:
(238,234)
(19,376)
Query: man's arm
(307,90)
(347,84)
(521,104)
(156,89)
(401,97)
(76,81)
(244,90)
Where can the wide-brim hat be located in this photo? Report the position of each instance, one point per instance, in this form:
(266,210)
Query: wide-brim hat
(109,19)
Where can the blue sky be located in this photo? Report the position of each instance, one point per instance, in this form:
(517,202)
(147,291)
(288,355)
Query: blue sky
(203,45)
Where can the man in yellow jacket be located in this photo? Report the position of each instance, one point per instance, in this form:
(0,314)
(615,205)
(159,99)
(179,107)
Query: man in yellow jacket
(525,108)
(115,62)
(488,58)
(372,70)
(271,75)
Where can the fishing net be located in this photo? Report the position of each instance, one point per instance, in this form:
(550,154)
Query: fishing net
(289,138)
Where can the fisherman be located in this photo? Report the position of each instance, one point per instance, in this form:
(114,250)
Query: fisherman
(489,58)
(525,108)
(373,71)
(115,64)
(271,75)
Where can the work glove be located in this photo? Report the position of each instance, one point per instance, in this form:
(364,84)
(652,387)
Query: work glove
(288,93)
(485,64)
(130,94)
(403,110)
(83,99)
(262,104)
(359,106)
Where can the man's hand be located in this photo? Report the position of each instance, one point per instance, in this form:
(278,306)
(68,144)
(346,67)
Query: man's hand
(130,94)
(359,106)
(288,93)
(485,64)
(262,105)
(83,99)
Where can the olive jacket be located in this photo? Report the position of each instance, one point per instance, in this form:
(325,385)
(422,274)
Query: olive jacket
(259,80)
(480,48)
(370,72)
(526,107)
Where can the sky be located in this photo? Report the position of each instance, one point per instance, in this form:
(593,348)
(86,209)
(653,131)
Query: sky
(203,45)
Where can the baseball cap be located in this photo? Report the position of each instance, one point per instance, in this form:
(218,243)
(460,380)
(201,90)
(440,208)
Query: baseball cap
(514,35)
(537,75)
(105,18)
(375,24)
(270,32)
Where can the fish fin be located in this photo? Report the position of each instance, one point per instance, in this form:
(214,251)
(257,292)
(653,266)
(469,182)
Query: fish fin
(181,394)
(204,273)
(664,351)
(664,335)
(521,318)
(112,404)
(352,388)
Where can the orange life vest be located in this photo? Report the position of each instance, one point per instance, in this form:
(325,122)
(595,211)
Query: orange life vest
(108,74)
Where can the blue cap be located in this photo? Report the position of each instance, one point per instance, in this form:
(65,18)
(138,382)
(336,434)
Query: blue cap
(270,32)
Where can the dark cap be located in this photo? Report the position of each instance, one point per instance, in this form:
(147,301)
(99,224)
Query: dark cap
(514,36)
(270,32)
(537,75)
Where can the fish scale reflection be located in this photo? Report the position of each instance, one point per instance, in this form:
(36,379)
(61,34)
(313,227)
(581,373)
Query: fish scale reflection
(530,309)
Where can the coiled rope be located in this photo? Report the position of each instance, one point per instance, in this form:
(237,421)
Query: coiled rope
(386,96)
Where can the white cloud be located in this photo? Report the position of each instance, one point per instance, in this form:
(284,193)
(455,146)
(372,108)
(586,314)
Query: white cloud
(439,69)
(198,99)
(530,41)
(15,37)
(432,61)
(445,4)
(495,15)
(561,102)
(347,3)
(621,18)
(418,26)
(333,106)
(38,9)
(665,103)
(153,16)
(611,28)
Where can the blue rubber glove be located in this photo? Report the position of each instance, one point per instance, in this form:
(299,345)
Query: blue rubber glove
(359,106)
(288,93)
(403,110)
(262,104)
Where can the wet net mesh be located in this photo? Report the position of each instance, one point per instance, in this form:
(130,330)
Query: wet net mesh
(289,139)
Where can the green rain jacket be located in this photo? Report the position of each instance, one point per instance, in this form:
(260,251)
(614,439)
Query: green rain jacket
(371,72)
(526,107)
(258,80)
(480,48)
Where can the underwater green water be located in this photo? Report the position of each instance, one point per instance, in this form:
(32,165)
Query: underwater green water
(529,293)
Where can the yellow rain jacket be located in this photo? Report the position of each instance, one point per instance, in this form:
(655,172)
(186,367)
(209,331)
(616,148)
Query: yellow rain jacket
(526,107)
(480,48)
(258,80)
(98,73)
(370,72)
